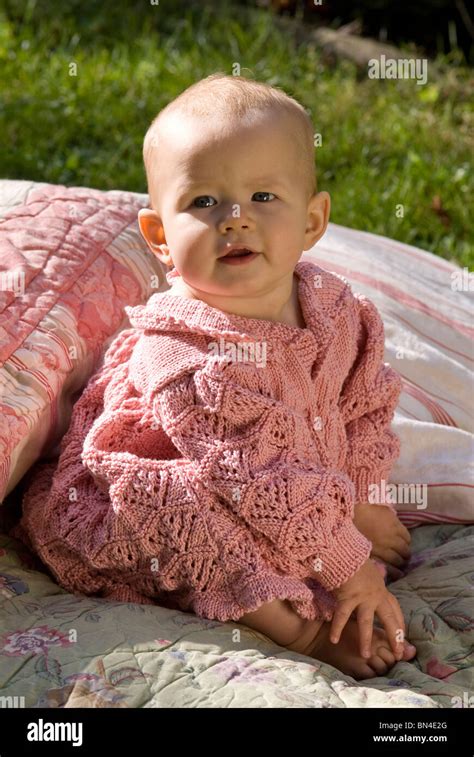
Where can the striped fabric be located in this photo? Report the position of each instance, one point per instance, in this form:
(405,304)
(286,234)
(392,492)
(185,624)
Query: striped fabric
(70,260)
(82,259)
(427,310)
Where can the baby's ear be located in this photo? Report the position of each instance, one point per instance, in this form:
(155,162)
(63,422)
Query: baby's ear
(319,208)
(151,229)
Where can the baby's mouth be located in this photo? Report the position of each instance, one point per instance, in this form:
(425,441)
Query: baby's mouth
(243,252)
(237,254)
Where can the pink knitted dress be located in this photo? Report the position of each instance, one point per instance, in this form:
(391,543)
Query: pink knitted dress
(213,461)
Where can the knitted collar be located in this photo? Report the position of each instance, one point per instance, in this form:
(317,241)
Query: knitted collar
(171,312)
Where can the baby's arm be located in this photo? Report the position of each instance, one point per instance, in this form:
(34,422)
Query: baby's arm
(368,399)
(299,513)
(367,404)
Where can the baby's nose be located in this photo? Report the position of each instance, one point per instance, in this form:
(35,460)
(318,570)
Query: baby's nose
(236,218)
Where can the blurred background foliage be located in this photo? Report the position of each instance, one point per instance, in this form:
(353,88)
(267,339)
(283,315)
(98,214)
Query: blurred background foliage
(438,26)
(385,143)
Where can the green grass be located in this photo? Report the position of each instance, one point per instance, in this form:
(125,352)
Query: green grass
(385,143)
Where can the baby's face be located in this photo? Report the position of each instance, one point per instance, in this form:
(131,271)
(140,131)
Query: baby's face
(219,186)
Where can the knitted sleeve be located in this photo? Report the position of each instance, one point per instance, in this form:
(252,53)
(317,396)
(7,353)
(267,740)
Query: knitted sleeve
(367,403)
(123,515)
(300,513)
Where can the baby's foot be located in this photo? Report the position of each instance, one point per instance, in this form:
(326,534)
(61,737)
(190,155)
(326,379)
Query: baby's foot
(346,657)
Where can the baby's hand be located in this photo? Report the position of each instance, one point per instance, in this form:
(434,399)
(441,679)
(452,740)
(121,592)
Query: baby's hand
(390,539)
(366,593)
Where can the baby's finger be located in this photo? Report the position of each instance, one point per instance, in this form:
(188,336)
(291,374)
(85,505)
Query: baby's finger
(398,614)
(404,533)
(393,573)
(391,623)
(392,557)
(402,548)
(342,614)
(365,621)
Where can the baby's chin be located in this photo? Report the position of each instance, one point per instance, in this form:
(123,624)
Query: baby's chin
(227,281)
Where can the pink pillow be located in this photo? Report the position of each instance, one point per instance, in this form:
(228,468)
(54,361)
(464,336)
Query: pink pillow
(70,260)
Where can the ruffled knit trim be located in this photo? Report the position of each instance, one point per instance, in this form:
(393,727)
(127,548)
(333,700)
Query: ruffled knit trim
(166,311)
(251,592)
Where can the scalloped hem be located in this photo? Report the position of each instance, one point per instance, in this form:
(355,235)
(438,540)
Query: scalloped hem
(253,591)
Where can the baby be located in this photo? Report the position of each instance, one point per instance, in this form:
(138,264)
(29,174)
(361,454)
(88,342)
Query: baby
(244,180)
(234,488)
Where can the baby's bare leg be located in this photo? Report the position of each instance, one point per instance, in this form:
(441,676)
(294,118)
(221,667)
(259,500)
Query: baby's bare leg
(281,623)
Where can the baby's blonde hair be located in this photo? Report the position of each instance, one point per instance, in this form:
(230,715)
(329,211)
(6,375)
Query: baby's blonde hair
(235,96)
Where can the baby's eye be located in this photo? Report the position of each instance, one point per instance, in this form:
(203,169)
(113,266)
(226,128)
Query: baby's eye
(202,197)
(263,193)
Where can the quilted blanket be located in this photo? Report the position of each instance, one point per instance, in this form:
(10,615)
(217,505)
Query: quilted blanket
(63,650)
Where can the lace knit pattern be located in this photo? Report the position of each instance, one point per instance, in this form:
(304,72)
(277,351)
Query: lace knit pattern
(200,482)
